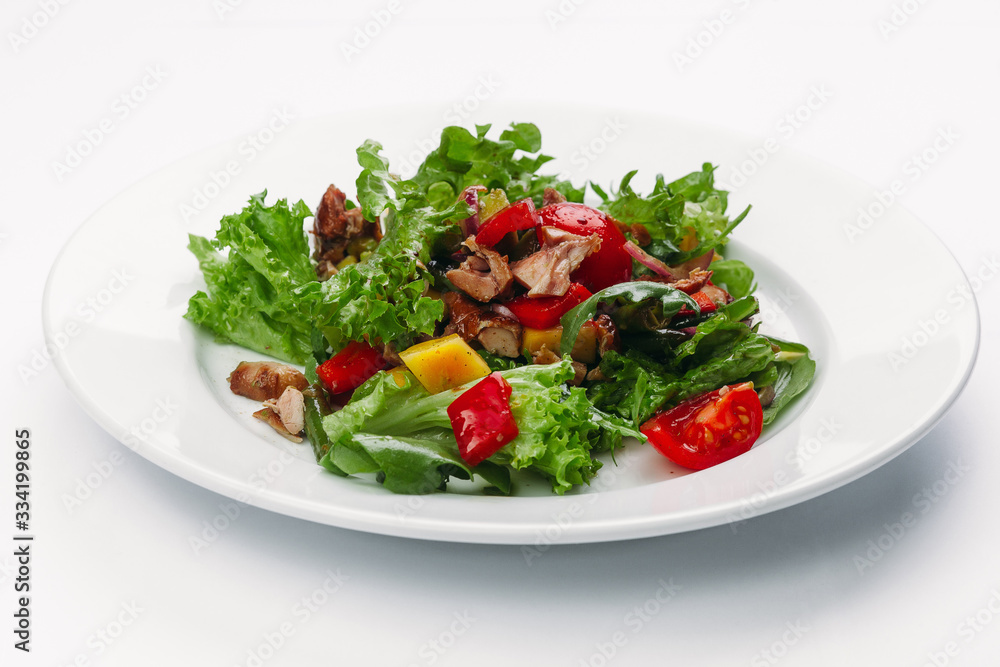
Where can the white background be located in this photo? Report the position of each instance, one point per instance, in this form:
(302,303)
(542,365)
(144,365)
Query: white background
(125,554)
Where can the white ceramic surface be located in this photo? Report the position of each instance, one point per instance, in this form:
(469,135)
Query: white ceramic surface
(865,304)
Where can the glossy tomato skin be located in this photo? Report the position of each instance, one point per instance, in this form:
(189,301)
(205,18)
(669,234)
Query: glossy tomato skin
(546,311)
(608,266)
(482,420)
(518,216)
(349,368)
(708,429)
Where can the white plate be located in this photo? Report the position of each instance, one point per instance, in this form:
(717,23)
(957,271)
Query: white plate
(116,294)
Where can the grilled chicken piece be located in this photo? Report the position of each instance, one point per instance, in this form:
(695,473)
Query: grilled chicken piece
(607,334)
(546,272)
(497,333)
(335,227)
(271,418)
(551,196)
(484,275)
(287,415)
(263,380)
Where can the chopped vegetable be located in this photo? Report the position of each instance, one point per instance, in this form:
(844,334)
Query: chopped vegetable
(708,429)
(481,419)
(551,329)
(518,216)
(444,363)
(545,312)
(349,368)
(608,266)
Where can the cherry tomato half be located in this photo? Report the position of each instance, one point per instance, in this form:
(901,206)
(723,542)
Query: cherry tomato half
(518,216)
(708,429)
(608,266)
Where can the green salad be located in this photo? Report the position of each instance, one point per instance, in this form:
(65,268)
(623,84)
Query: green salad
(480,318)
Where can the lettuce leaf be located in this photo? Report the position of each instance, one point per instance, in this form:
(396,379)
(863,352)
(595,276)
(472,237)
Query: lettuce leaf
(404,435)
(253,292)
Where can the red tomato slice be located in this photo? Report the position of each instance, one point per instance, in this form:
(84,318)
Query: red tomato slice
(545,311)
(708,429)
(349,368)
(608,266)
(482,419)
(518,216)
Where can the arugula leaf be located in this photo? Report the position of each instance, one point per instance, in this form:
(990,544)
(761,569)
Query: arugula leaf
(670,299)
(252,297)
(672,210)
(637,388)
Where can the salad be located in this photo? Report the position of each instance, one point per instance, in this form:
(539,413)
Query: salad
(480,318)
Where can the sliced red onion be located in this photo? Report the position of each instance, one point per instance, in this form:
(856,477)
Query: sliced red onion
(682,271)
(471,196)
(647,260)
(501,309)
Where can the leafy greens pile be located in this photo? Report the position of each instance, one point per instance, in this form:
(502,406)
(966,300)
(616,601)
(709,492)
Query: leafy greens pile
(264,295)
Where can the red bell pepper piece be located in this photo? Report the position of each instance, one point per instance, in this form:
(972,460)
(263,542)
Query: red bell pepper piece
(482,419)
(705,303)
(545,311)
(516,217)
(349,368)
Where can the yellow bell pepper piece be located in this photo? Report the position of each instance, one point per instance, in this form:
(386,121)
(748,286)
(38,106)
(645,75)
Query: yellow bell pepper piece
(444,363)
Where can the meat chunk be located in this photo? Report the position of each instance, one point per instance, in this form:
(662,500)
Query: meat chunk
(335,227)
(546,272)
(264,380)
(694,282)
(497,333)
(271,418)
(696,279)
(607,334)
(291,409)
(552,196)
(484,275)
